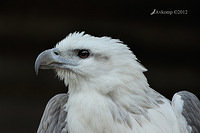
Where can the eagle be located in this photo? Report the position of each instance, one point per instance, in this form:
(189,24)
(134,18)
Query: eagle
(108,92)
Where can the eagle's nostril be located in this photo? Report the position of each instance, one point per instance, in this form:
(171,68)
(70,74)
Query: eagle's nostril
(56,53)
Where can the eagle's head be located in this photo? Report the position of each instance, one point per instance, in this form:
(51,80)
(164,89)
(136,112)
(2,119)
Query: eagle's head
(84,61)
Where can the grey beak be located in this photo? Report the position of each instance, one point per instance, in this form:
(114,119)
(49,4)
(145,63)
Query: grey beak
(50,59)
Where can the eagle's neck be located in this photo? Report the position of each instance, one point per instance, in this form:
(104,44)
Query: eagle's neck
(126,90)
(96,106)
(90,111)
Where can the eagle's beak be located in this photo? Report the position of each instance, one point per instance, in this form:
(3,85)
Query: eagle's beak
(51,59)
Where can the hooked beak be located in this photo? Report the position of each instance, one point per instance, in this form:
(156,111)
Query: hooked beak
(51,59)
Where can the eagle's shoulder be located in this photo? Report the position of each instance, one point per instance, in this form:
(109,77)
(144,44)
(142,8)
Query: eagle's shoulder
(53,119)
(188,105)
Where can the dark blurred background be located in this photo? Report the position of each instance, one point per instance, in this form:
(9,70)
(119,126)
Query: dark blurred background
(168,45)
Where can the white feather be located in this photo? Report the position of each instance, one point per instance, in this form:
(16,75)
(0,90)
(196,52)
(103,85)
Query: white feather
(177,105)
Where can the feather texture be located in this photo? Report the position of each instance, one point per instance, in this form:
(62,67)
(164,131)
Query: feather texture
(53,119)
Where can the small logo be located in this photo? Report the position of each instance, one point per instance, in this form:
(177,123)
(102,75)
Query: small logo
(168,12)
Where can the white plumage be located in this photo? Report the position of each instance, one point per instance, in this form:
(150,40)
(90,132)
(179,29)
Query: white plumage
(107,91)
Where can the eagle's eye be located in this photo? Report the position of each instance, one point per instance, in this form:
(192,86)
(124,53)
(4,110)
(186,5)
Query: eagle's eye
(83,53)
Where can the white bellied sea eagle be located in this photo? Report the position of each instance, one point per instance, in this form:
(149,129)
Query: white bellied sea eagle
(108,92)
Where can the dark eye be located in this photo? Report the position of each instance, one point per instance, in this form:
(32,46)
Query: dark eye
(83,53)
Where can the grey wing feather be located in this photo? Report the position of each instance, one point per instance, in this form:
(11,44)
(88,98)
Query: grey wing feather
(191,110)
(53,119)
